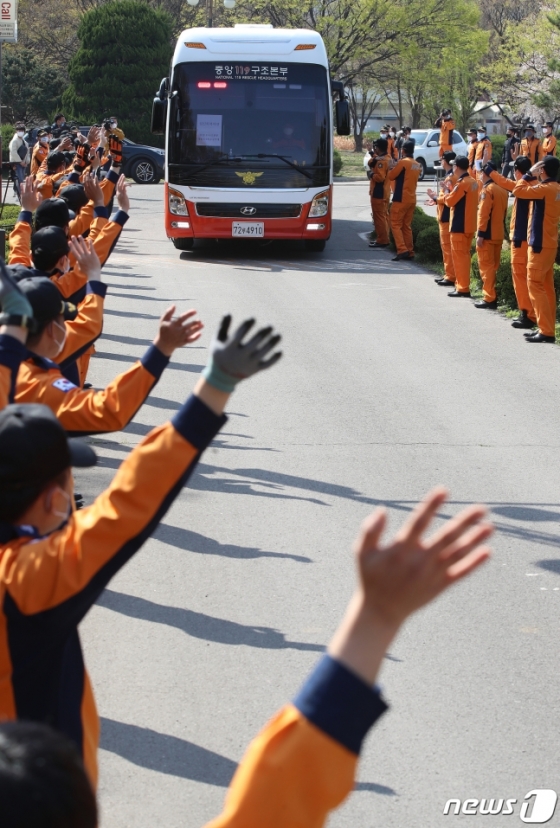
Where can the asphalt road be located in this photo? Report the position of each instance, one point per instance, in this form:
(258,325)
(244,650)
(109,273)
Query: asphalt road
(387,388)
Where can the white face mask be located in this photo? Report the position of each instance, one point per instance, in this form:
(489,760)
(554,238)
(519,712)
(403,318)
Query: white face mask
(64,515)
(114,124)
(547,130)
(480,135)
(60,343)
(44,139)
(20,133)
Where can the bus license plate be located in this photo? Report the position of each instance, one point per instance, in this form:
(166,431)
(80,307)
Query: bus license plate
(249,229)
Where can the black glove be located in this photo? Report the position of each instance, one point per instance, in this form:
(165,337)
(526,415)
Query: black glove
(115,149)
(232,360)
(488,168)
(81,159)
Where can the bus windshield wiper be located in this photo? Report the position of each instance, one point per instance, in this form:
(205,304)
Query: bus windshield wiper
(282,158)
(214,162)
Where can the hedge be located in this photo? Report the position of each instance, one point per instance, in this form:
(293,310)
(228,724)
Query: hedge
(337,161)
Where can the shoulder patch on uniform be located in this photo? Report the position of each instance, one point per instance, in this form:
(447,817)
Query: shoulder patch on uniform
(64,385)
(380,165)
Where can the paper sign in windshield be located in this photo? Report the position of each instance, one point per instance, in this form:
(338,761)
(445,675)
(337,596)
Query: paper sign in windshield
(209,130)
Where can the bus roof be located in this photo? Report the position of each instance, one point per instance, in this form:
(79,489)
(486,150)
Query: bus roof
(248,42)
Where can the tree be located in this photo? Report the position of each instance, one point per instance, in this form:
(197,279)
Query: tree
(30,89)
(125,49)
(363,98)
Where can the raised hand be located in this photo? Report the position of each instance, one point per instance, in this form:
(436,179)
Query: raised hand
(86,257)
(115,150)
(397,579)
(30,196)
(175,332)
(233,360)
(93,190)
(122,196)
(81,159)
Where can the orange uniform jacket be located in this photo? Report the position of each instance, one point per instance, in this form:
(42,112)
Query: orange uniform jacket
(520,211)
(302,765)
(46,183)
(532,148)
(89,412)
(48,584)
(483,151)
(71,284)
(405,174)
(39,154)
(445,134)
(545,212)
(12,352)
(83,221)
(549,145)
(492,209)
(379,183)
(463,200)
(471,152)
(443,210)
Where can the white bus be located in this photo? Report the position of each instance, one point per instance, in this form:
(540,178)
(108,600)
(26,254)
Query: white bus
(248,119)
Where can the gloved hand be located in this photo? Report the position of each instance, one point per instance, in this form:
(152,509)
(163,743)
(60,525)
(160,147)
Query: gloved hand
(115,149)
(488,168)
(81,159)
(12,300)
(232,360)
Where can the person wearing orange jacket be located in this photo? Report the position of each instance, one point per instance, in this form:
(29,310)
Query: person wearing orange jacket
(40,378)
(303,764)
(55,562)
(519,248)
(463,201)
(492,209)
(530,145)
(40,152)
(16,317)
(443,217)
(471,151)
(543,242)
(482,155)
(549,139)
(380,193)
(405,175)
(446,125)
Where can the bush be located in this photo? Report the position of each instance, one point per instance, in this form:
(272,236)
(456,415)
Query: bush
(498,142)
(337,162)
(427,245)
(422,221)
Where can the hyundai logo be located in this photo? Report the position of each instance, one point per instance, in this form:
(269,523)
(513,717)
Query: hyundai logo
(248,211)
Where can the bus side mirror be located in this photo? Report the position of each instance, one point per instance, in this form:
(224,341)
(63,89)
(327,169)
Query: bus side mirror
(159,108)
(159,116)
(342,111)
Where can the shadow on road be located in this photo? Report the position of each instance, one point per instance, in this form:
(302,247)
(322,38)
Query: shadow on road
(200,625)
(166,754)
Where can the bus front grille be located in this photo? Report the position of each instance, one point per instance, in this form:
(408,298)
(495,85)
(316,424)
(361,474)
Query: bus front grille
(246,210)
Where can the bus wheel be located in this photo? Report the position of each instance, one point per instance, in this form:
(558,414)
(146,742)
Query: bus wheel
(183,244)
(315,245)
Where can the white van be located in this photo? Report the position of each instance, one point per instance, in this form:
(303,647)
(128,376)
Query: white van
(426,149)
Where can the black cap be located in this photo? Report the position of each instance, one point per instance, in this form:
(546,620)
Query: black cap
(529,126)
(75,197)
(449,156)
(408,146)
(481,128)
(48,245)
(44,297)
(53,212)
(34,448)
(549,124)
(472,131)
(462,162)
(510,128)
(522,163)
(551,166)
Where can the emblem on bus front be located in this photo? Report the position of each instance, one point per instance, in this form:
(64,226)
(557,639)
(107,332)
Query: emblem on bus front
(249,177)
(248,211)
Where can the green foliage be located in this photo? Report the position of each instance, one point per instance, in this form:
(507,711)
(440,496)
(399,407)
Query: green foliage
(9,215)
(337,162)
(498,142)
(124,53)
(421,221)
(30,87)
(427,246)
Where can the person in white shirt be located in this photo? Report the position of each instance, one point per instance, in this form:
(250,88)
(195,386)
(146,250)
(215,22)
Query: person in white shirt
(19,156)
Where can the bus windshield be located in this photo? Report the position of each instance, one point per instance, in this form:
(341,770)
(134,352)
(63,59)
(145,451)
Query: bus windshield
(228,120)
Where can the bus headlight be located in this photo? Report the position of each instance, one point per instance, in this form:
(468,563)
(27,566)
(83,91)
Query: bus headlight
(319,205)
(177,203)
